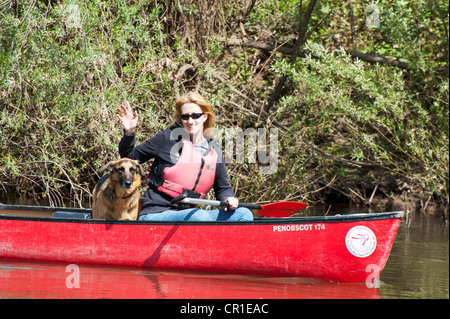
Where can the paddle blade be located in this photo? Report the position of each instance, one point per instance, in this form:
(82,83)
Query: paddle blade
(281,209)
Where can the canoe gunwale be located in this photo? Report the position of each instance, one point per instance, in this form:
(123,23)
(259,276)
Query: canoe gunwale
(256,221)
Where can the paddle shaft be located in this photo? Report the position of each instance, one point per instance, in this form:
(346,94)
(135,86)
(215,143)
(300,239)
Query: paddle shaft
(278,209)
(197,201)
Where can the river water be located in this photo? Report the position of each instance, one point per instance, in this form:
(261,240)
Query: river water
(418,267)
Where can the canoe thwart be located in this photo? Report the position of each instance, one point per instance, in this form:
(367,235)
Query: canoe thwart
(70,215)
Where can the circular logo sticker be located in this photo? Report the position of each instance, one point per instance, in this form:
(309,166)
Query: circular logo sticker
(361,241)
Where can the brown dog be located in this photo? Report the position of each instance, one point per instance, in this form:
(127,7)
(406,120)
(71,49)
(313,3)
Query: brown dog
(116,195)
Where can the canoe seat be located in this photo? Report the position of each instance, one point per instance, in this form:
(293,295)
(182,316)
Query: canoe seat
(70,215)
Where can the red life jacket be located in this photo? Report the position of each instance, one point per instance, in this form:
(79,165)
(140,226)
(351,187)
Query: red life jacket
(193,174)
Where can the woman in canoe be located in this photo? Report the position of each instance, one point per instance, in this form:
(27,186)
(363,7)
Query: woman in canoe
(186,161)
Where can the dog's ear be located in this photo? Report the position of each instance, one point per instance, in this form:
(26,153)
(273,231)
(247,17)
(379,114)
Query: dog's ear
(108,167)
(140,169)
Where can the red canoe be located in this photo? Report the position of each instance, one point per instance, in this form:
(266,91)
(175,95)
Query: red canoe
(345,248)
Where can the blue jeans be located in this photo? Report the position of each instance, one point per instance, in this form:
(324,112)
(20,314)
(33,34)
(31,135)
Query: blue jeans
(195,214)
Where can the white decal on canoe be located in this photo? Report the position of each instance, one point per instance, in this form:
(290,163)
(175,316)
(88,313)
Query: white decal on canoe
(361,241)
(301,227)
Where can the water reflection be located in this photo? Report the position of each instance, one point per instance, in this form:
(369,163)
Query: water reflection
(418,266)
(45,280)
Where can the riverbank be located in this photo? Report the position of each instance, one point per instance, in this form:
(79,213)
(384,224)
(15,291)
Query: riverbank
(360,110)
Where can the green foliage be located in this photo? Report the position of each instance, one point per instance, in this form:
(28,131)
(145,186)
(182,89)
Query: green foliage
(346,126)
(61,85)
(366,115)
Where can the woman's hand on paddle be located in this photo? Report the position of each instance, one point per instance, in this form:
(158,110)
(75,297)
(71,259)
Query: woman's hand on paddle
(233,203)
(128,119)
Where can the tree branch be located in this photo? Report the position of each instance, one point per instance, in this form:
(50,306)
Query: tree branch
(367,57)
(295,51)
(376,58)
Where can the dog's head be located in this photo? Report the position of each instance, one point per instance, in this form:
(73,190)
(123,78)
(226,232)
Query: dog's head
(125,172)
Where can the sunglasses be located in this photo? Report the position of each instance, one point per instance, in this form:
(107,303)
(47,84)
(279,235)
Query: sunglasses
(194,116)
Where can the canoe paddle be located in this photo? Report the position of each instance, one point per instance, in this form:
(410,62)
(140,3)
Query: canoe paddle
(278,209)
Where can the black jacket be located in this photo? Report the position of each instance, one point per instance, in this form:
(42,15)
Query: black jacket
(159,148)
